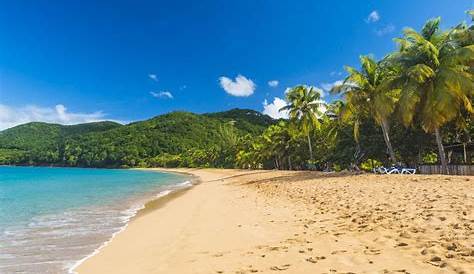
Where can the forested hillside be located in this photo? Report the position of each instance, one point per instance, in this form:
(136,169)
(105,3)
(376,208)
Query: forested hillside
(177,138)
(43,135)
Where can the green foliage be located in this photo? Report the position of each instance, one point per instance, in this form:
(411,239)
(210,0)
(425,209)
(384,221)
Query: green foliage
(304,105)
(247,120)
(435,79)
(42,143)
(170,140)
(304,108)
(279,146)
(12,156)
(430,158)
(370,164)
(166,160)
(368,93)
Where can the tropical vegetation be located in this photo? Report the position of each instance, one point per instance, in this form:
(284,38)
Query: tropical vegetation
(413,106)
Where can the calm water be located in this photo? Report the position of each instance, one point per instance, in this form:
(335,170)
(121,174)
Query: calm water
(50,218)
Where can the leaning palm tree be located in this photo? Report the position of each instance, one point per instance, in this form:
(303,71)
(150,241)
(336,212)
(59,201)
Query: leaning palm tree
(304,107)
(367,93)
(436,78)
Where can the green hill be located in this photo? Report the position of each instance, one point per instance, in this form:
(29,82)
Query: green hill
(177,138)
(246,119)
(40,143)
(38,134)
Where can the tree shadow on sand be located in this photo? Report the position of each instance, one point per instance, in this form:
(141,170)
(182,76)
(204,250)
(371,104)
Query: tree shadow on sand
(298,176)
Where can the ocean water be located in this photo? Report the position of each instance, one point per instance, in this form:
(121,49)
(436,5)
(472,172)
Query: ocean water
(52,218)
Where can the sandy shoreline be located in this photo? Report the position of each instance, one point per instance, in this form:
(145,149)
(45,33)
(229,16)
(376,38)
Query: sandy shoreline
(299,222)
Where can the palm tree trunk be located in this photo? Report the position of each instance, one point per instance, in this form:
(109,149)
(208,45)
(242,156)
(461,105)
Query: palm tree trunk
(464,152)
(442,155)
(310,148)
(386,137)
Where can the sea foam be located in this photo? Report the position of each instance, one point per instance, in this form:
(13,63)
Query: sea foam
(130,213)
(53,219)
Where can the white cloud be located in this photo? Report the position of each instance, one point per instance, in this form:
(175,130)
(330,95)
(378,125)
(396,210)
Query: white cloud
(328,86)
(241,86)
(183,87)
(13,116)
(385,30)
(273,83)
(162,94)
(273,109)
(373,17)
(153,77)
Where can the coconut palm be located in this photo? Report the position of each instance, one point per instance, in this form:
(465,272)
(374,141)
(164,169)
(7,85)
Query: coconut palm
(367,93)
(435,79)
(277,139)
(304,107)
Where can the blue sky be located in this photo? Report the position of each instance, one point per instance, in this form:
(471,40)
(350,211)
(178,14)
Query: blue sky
(77,61)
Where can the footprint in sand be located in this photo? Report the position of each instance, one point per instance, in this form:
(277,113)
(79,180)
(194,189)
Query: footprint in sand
(372,252)
(338,252)
(436,261)
(315,259)
(280,268)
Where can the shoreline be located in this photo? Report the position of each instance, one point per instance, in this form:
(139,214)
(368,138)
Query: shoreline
(238,221)
(159,200)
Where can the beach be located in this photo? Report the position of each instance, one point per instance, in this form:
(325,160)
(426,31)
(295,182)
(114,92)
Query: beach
(237,221)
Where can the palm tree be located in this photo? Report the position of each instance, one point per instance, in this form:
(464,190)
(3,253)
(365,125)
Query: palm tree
(367,93)
(277,139)
(304,104)
(436,80)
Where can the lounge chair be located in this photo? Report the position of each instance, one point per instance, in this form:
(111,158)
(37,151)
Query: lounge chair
(394,170)
(384,170)
(408,170)
(379,170)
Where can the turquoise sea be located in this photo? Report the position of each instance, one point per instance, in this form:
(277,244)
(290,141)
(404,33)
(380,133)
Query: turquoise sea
(51,218)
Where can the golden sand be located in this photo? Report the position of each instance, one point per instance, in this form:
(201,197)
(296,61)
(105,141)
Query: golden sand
(300,222)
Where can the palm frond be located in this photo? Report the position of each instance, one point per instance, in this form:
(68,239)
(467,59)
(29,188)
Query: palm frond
(420,73)
(471,13)
(430,28)
(409,99)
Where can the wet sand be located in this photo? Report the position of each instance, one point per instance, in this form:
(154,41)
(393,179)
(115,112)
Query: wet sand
(300,222)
